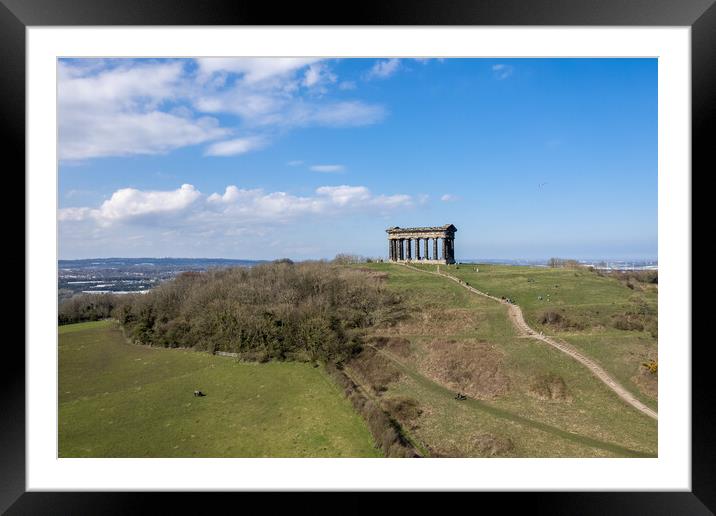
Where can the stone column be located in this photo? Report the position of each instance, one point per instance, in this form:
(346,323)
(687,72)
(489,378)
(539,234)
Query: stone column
(435,248)
(401,255)
(445,248)
(390,250)
(409,250)
(417,248)
(426,256)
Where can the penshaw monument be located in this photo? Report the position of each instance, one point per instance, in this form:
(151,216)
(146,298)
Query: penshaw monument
(414,244)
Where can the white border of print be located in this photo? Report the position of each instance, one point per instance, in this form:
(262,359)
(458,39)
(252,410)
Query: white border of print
(671,470)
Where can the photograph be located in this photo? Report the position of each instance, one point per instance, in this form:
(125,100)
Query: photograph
(357,257)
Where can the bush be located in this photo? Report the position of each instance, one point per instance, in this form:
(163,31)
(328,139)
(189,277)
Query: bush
(652,366)
(348,259)
(627,322)
(86,307)
(564,263)
(559,321)
(283,311)
(550,317)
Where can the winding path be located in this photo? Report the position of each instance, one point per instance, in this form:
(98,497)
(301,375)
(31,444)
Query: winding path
(518,320)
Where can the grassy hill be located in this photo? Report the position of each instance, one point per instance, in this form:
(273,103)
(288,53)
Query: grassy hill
(526,398)
(601,316)
(123,400)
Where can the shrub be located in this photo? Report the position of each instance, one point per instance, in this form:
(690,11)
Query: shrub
(627,322)
(347,259)
(284,311)
(550,317)
(652,366)
(564,263)
(86,307)
(559,321)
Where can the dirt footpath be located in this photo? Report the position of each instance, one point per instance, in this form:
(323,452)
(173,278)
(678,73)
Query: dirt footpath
(518,320)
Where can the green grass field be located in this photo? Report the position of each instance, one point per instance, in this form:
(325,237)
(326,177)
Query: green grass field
(451,329)
(122,400)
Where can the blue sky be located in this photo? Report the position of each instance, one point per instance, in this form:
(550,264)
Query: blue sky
(305,158)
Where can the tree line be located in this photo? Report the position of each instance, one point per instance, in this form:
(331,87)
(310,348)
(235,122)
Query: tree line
(311,311)
(86,307)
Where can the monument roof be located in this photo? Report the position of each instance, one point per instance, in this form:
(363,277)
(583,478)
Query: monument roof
(398,229)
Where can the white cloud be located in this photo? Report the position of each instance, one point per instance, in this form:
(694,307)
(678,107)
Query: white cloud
(253,69)
(502,71)
(116,112)
(344,195)
(327,168)
(187,206)
(383,69)
(270,108)
(94,134)
(317,75)
(235,147)
(449,198)
(130,203)
(123,86)
(281,206)
(130,107)
(337,114)
(74,214)
(240,222)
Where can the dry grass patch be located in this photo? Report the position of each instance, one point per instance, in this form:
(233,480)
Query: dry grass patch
(404,409)
(434,320)
(491,445)
(396,345)
(376,370)
(549,387)
(468,366)
(378,275)
(647,381)
(480,445)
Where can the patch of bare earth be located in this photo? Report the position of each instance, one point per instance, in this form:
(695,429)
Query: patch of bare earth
(647,382)
(549,387)
(472,367)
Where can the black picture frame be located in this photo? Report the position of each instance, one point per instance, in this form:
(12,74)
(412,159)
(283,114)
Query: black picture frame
(700,15)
